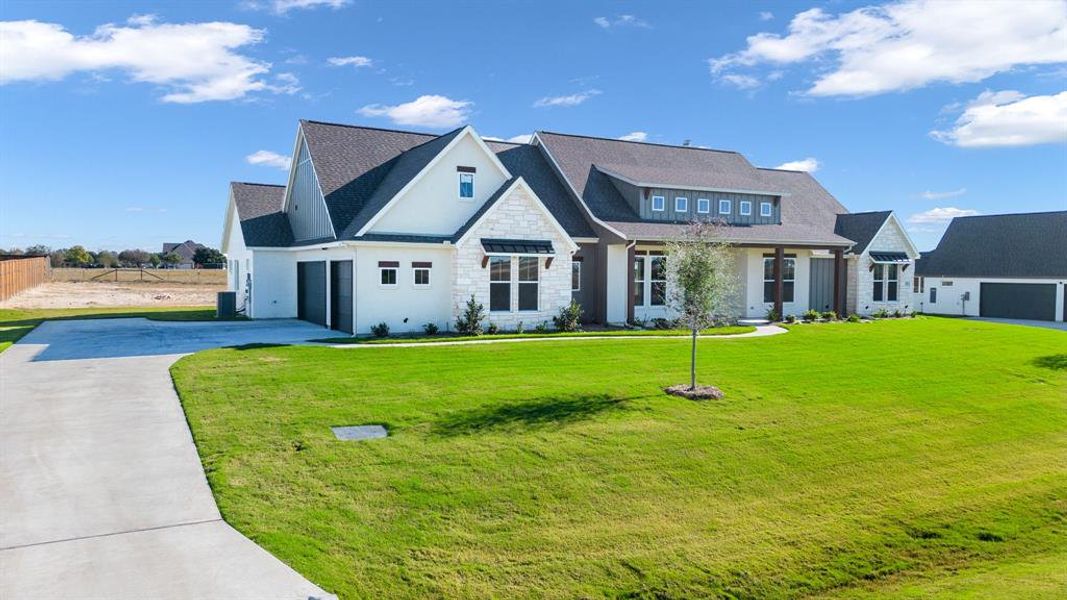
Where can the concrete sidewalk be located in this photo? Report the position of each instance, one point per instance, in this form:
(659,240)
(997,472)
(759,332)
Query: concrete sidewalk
(103,495)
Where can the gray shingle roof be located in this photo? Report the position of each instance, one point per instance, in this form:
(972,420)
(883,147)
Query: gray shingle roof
(1016,245)
(750,234)
(259,211)
(526,161)
(860,227)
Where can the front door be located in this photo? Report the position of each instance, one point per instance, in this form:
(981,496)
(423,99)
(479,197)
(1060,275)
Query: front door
(821,285)
(650,286)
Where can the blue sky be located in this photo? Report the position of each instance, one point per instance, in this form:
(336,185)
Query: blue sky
(121,123)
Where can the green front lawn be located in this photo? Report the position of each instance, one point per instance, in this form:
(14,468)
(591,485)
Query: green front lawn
(17,322)
(454,337)
(912,457)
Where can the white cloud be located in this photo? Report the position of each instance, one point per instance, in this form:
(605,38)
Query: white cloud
(1008,118)
(741,82)
(355,61)
(635,136)
(194,62)
(943,195)
(622,21)
(281,7)
(571,100)
(425,111)
(941,215)
(808,164)
(522,138)
(905,45)
(269,159)
(766,16)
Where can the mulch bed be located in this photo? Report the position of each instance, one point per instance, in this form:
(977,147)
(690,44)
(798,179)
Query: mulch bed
(700,392)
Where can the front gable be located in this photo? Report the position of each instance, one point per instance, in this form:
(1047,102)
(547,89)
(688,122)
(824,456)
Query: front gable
(892,237)
(304,204)
(430,203)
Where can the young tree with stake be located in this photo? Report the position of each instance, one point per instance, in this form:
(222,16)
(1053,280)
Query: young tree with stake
(701,285)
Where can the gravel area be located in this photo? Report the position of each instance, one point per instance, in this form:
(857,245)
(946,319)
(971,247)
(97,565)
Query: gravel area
(89,294)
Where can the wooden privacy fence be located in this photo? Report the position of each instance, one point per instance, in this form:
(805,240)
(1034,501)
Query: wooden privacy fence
(195,276)
(19,273)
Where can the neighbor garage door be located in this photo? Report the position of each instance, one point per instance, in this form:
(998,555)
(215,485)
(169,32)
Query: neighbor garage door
(1018,301)
(311,291)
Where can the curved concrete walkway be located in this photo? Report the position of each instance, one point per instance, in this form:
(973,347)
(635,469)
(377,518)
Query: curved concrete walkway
(101,490)
(761,331)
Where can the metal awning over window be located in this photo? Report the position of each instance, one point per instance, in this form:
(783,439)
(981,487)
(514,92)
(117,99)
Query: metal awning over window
(895,258)
(512,247)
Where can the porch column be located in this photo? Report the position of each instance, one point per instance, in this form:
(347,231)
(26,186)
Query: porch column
(779,260)
(630,258)
(839,277)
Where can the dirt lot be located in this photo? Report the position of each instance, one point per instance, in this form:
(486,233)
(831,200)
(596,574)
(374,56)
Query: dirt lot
(88,294)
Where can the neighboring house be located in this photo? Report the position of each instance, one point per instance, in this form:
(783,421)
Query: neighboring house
(1010,266)
(185,250)
(378,225)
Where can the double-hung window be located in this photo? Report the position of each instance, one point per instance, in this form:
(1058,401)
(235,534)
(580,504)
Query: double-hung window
(466,184)
(681,204)
(745,207)
(387,272)
(885,283)
(499,283)
(420,274)
(658,280)
(659,203)
(639,281)
(703,206)
(528,282)
(789,273)
(576,275)
(724,207)
(765,209)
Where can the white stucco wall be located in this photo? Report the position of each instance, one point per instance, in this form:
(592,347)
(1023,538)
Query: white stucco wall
(950,298)
(516,216)
(238,257)
(274,279)
(404,307)
(755,307)
(432,206)
(618,273)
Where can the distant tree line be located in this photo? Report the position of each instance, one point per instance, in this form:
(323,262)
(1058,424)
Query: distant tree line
(78,256)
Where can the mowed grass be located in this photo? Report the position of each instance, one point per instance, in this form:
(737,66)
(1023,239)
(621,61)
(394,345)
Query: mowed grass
(913,458)
(17,322)
(453,337)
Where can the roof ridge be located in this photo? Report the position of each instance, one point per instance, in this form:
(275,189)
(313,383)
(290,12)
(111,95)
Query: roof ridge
(255,183)
(433,139)
(1019,214)
(868,212)
(784,170)
(350,126)
(607,139)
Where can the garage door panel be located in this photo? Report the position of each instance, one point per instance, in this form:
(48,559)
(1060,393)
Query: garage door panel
(311,291)
(341,295)
(1018,301)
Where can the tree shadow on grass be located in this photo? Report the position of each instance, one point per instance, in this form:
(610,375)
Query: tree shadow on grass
(532,414)
(1056,362)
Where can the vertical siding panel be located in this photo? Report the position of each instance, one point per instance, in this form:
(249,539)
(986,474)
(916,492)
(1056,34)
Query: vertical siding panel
(307,210)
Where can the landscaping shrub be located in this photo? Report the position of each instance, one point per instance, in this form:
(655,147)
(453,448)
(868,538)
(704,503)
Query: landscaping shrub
(881,313)
(660,323)
(811,315)
(897,313)
(830,315)
(853,318)
(430,328)
(790,318)
(772,315)
(541,327)
(470,323)
(380,330)
(492,329)
(568,318)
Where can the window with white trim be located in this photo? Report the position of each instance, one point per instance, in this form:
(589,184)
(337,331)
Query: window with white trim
(885,282)
(681,204)
(724,206)
(657,274)
(659,203)
(576,275)
(466,186)
(703,205)
(766,209)
(744,207)
(789,274)
(420,276)
(387,276)
(499,283)
(529,275)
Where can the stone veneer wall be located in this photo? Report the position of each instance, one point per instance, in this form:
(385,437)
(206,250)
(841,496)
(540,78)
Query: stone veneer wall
(889,240)
(516,216)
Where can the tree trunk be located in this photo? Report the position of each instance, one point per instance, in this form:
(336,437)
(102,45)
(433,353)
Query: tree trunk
(693,363)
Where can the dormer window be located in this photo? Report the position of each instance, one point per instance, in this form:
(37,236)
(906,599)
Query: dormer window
(765,209)
(744,207)
(466,183)
(681,204)
(724,207)
(703,205)
(659,203)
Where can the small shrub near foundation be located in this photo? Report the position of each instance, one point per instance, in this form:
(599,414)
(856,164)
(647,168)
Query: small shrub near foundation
(380,330)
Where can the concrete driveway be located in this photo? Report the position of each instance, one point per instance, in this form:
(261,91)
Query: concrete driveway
(101,490)
(1060,325)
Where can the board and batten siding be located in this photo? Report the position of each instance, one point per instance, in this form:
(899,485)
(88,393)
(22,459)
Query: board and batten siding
(640,199)
(306,207)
